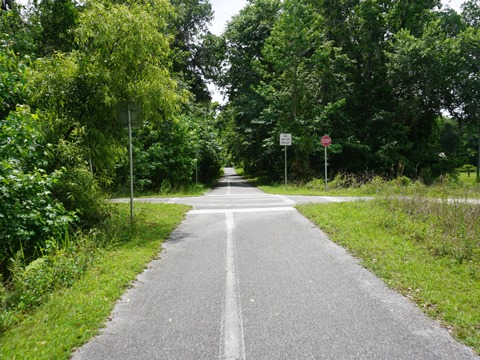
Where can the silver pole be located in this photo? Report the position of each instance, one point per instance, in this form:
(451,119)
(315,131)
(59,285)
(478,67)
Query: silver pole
(131,162)
(285,165)
(326,188)
(196,167)
(478,164)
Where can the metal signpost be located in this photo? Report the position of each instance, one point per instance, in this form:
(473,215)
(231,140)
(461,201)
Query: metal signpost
(196,165)
(285,140)
(326,142)
(128,114)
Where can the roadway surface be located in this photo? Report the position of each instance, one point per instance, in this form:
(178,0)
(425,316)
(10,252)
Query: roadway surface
(245,276)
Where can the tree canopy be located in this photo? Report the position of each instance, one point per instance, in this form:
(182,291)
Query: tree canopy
(376,75)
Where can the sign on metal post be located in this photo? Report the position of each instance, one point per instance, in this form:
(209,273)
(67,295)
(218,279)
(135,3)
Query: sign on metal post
(326,141)
(124,108)
(128,114)
(285,140)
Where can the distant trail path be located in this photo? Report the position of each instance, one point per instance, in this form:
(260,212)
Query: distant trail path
(247,277)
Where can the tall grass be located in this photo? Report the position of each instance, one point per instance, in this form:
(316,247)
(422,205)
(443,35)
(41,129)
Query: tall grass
(370,185)
(444,228)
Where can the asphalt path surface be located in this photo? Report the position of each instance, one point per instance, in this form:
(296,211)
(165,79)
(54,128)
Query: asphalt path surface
(245,276)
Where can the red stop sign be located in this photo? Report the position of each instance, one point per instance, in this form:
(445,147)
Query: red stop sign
(326,141)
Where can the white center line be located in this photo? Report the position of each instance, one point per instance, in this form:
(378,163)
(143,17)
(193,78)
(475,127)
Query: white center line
(229,189)
(233,345)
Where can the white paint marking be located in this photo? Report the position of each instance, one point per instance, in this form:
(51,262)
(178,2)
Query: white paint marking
(252,195)
(333,199)
(249,210)
(233,338)
(229,189)
(285,199)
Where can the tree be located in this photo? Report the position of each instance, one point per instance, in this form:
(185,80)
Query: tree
(123,54)
(191,43)
(29,214)
(470,42)
(53,23)
(305,88)
(244,40)
(13,90)
(373,73)
(469,82)
(15,34)
(166,153)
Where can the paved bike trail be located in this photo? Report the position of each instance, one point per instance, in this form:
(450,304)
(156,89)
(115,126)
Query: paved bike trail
(245,276)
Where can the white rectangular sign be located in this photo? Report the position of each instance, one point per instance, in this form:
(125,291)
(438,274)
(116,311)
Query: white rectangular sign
(285,139)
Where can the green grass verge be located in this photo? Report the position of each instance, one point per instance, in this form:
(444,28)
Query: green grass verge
(281,189)
(74,315)
(188,191)
(426,250)
(377,187)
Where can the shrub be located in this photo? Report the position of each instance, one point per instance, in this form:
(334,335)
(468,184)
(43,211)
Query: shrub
(403,181)
(468,168)
(29,214)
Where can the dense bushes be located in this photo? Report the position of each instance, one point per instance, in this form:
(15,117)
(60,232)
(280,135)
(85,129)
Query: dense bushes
(29,214)
(165,154)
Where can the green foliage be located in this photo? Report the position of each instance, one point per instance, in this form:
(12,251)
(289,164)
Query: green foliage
(245,127)
(306,90)
(162,155)
(376,76)
(203,129)
(468,168)
(29,214)
(13,80)
(63,261)
(166,155)
(455,224)
(15,32)
(123,55)
(53,22)
(193,45)
(32,285)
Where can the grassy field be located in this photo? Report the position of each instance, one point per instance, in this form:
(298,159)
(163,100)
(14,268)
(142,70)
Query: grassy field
(427,250)
(73,315)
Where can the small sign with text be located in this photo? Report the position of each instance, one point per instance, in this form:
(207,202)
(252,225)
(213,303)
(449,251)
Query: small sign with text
(285,139)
